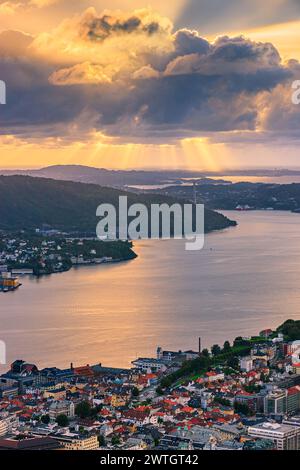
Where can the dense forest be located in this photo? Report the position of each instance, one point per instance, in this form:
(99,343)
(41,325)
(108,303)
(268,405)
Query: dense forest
(27,202)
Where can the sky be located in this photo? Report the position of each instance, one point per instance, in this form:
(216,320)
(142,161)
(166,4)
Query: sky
(193,84)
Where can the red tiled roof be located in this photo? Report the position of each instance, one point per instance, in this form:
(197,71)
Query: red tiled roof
(197,421)
(188,409)
(135,414)
(120,430)
(222,420)
(293,390)
(151,376)
(252,373)
(142,380)
(142,408)
(85,371)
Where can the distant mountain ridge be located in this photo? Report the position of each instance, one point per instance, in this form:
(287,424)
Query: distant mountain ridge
(28,203)
(102,176)
(123,178)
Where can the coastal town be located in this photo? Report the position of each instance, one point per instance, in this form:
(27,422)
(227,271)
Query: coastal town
(43,252)
(239,396)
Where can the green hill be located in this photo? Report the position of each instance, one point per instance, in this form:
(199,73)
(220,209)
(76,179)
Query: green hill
(290,329)
(27,203)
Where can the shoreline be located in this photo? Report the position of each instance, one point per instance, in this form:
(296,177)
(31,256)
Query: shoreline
(75,266)
(232,224)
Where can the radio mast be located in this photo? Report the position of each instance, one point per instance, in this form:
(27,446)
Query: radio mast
(195,193)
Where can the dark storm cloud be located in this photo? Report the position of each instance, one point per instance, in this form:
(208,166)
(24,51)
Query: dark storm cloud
(31,101)
(198,87)
(226,56)
(102,27)
(239,48)
(194,102)
(189,42)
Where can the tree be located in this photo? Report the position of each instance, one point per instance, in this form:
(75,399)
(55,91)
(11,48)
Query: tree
(135,392)
(233,362)
(252,388)
(222,401)
(243,409)
(62,421)
(115,440)
(83,409)
(238,341)
(95,410)
(290,329)
(226,347)
(264,378)
(205,352)
(45,419)
(216,350)
(167,381)
(101,440)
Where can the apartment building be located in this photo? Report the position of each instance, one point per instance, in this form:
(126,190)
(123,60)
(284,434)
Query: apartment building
(285,437)
(75,442)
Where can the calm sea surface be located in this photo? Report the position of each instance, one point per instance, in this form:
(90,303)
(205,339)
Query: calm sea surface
(246,279)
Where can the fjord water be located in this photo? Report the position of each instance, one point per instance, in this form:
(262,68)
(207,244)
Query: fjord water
(245,279)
